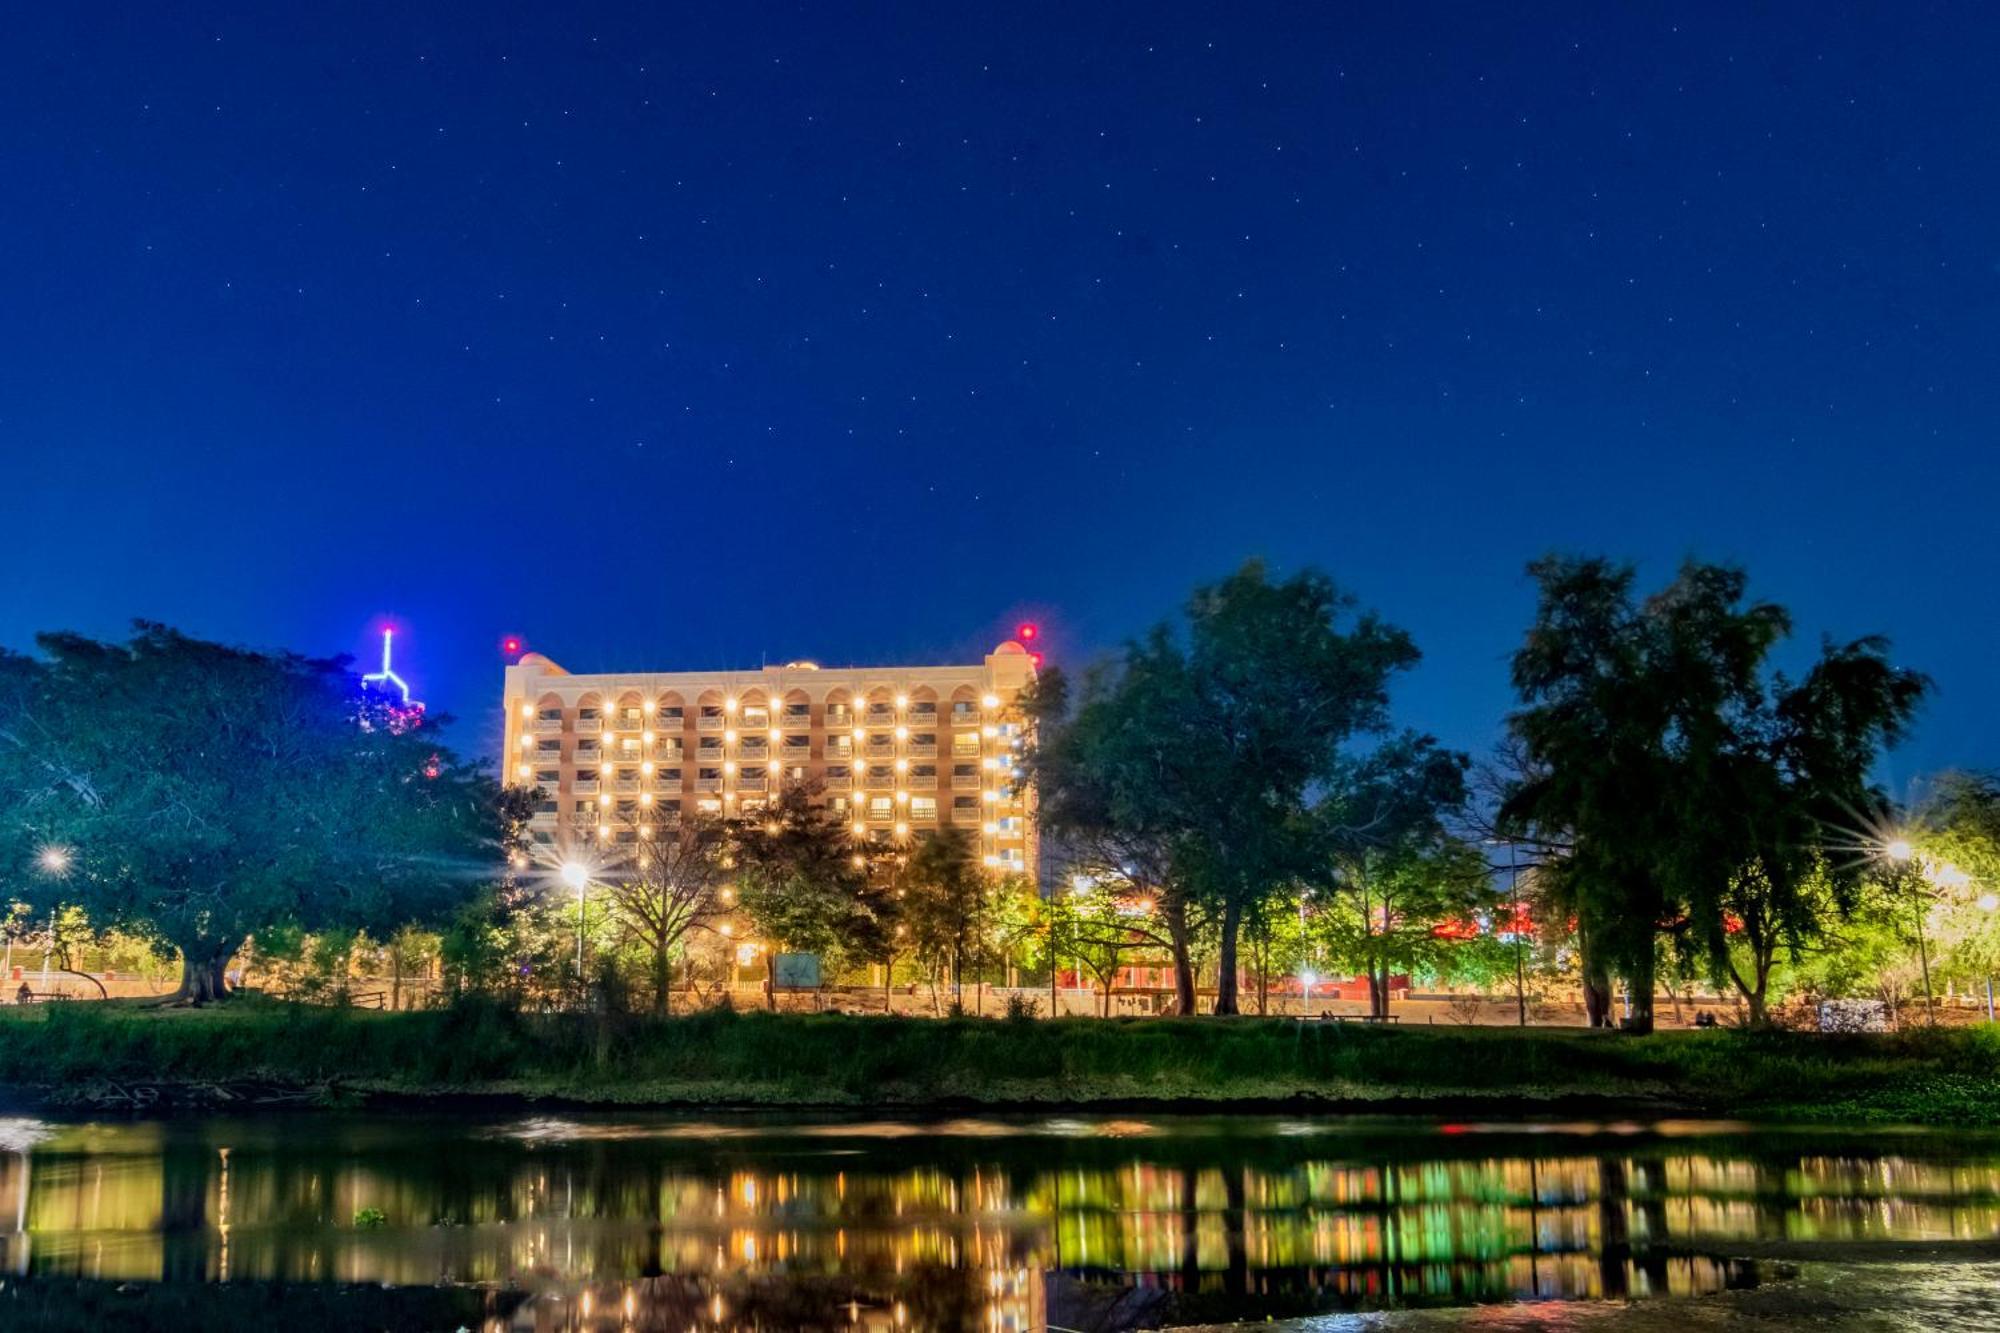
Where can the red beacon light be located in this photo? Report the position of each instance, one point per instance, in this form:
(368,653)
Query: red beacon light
(1026,632)
(511,645)
(1036,658)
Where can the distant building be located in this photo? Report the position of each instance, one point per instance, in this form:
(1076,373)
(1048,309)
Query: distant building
(898,752)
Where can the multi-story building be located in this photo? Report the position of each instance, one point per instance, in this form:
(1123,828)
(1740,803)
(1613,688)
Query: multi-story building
(896,751)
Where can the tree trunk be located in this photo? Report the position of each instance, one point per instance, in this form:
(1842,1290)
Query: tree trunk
(204,968)
(1225,976)
(1175,912)
(663,979)
(1639,987)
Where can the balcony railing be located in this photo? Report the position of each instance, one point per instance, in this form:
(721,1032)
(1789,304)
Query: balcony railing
(921,815)
(626,785)
(671,754)
(633,722)
(708,723)
(923,750)
(584,786)
(839,782)
(756,750)
(751,782)
(802,750)
(881,717)
(802,718)
(708,784)
(547,724)
(839,717)
(966,717)
(583,819)
(965,782)
(880,781)
(879,749)
(588,726)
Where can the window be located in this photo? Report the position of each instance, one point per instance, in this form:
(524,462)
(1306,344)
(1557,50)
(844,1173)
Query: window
(588,714)
(965,743)
(545,807)
(585,807)
(879,807)
(670,775)
(965,770)
(551,714)
(923,807)
(672,714)
(543,836)
(709,806)
(548,777)
(924,773)
(964,805)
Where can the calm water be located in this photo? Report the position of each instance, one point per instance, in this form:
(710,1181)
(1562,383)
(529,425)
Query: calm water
(634,1222)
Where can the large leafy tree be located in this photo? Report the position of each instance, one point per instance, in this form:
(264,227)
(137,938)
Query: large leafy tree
(1689,787)
(806,883)
(1390,869)
(1207,745)
(198,793)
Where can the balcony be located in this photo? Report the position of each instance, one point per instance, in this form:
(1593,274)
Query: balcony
(881,749)
(671,719)
(881,781)
(965,782)
(709,754)
(876,816)
(548,758)
(751,782)
(583,819)
(842,748)
(798,750)
(588,726)
(671,754)
(965,717)
(548,724)
(839,782)
(880,715)
(921,814)
(838,718)
(802,719)
(629,722)
(585,786)
(923,717)
(923,750)
(625,785)
(755,751)
(709,722)
(708,784)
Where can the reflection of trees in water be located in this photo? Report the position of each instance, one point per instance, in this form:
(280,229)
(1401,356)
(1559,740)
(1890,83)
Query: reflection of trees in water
(1114,1233)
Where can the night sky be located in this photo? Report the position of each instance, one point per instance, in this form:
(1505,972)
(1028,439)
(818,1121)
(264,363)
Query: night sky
(681,337)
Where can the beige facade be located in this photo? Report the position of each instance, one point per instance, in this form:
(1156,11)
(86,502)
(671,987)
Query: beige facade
(897,751)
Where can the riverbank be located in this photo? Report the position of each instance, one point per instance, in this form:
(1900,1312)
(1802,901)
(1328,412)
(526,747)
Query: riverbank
(99,1056)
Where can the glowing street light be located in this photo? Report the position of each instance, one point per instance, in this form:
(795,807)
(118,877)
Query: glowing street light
(577,876)
(1899,850)
(55,860)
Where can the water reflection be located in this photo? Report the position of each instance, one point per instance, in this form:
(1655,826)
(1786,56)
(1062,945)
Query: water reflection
(603,1223)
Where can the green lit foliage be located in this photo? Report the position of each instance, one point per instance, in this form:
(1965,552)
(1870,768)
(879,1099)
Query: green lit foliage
(203,793)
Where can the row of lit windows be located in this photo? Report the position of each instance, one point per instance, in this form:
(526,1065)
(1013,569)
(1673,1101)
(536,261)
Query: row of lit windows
(757,714)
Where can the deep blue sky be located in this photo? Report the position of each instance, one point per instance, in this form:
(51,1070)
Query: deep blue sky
(676,337)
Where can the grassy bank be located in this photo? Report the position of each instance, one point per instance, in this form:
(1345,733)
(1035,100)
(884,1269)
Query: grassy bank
(78,1052)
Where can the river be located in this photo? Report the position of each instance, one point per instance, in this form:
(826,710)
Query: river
(572,1221)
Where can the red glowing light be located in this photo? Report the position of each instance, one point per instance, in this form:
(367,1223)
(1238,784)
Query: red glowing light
(1027,632)
(510,645)
(1036,658)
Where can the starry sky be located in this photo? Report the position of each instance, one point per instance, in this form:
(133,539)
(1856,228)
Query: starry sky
(673,336)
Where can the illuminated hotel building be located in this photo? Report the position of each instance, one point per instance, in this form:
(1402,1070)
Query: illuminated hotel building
(896,751)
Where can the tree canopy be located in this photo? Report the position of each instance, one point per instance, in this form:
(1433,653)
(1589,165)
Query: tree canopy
(197,793)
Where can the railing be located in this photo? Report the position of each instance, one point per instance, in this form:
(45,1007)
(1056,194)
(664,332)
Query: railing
(750,782)
(965,782)
(588,726)
(880,781)
(965,718)
(923,750)
(672,718)
(626,785)
(919,815)
(584,786)
(634,722)
(708,784)
(839,782)
(881,749)
(671,754)
(583,819)
(546,724)
(802,718)
(802,751)
(881,717)
(707,722)
(839,717)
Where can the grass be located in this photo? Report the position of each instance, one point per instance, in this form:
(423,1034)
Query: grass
(73,1052)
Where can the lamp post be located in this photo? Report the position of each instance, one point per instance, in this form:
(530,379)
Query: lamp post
(577,877)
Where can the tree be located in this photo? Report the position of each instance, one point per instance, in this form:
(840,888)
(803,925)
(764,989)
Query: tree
(1204,747)
(198,793)
(1691,790)
(1391,869)
(663,878)
(805,882)
(943,907)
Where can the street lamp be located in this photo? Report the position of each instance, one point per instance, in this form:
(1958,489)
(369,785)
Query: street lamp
(577,876)
(55,860)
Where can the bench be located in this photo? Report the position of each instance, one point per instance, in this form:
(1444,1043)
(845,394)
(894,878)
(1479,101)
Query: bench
(1361,1018)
